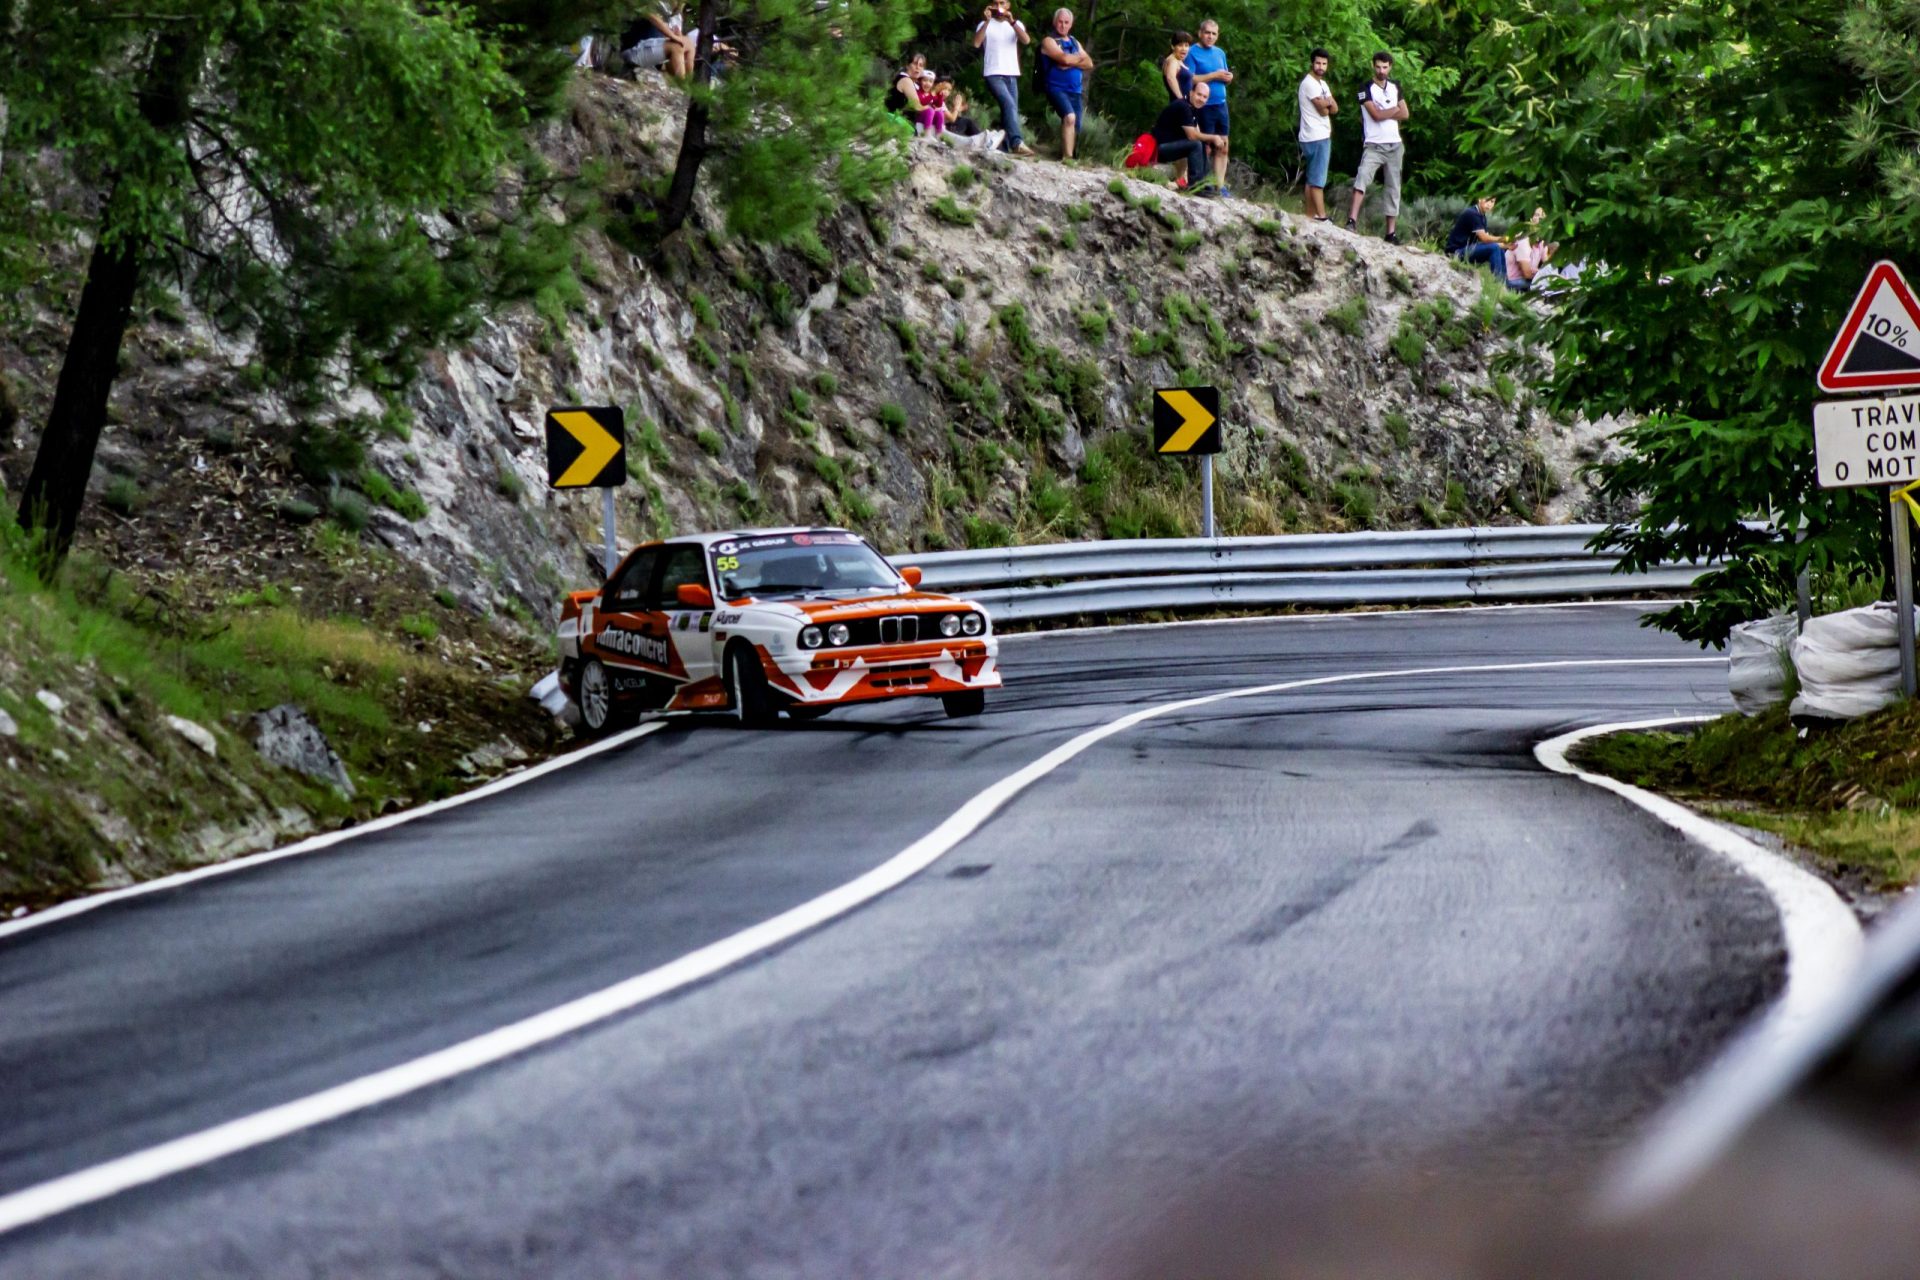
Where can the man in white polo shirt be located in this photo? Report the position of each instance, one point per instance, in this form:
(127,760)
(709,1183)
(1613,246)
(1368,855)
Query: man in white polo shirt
(1000,35)
(1381,111)
(1316,131)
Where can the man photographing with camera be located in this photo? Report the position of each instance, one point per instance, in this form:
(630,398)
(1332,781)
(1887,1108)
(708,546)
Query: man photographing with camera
(1000,35)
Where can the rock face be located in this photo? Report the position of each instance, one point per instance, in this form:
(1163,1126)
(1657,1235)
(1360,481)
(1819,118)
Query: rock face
(971,360)
(286,737)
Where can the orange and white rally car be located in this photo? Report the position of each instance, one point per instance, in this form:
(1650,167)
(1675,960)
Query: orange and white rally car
(761,621)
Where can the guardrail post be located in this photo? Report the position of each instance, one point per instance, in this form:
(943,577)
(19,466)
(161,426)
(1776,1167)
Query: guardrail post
(1206,495)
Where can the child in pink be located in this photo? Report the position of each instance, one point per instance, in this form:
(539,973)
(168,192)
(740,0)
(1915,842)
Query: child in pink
(933,104)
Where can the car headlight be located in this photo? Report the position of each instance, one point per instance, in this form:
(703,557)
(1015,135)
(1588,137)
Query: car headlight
(973,624)
(811,638)
(950,625)
(838,633)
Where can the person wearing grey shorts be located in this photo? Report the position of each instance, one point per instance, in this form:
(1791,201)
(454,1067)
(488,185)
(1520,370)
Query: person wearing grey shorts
(1382,108)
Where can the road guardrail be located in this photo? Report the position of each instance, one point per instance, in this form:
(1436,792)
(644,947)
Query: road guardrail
(1018,584)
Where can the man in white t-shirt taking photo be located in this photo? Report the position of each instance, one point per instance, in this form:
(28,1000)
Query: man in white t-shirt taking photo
(1000,35)
(1381,110)
(1316,131)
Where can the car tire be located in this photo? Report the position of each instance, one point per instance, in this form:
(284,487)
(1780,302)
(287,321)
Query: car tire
(600,711)
(968,702)
(747,688)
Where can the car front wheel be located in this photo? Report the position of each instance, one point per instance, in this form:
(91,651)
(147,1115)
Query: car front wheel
(968,702)
(747,687)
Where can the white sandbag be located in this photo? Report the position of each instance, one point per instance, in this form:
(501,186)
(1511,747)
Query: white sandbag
(1757,663)
(1848,663)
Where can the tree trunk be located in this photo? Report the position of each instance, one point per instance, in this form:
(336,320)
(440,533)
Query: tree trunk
(693,139)
(57,486)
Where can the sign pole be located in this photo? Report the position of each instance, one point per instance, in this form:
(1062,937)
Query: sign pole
(1903,590)
(1206,495)
(612,555)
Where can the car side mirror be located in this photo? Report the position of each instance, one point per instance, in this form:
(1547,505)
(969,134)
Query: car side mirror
(912,575)
(693,595)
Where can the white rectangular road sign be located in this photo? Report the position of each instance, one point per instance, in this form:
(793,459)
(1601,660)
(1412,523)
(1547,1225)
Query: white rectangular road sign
(1867,440)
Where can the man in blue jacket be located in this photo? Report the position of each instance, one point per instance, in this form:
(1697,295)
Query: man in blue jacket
(1063,64)
(1208,62)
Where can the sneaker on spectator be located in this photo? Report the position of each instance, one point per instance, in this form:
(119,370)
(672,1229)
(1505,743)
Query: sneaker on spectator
(1225,193)
(1023,150)
(1353,226)
(1180,183)
(1392,237)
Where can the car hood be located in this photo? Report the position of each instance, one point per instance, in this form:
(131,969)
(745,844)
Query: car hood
(842,610)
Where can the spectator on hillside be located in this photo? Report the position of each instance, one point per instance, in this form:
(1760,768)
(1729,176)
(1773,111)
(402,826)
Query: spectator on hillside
(1527,256)
(903,98)
(964,131)
(1471,242)
(1382,108)
(1063,68)
(1208,62)
(933,104)
(1316,131)
(1173,68)
(655,42)
(1000,35)
(1178,136)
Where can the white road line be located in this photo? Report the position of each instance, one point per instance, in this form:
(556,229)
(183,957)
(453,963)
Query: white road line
(1823,943)
(38,1203)
(80,906)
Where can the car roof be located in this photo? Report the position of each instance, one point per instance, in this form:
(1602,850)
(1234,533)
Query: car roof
(736,535)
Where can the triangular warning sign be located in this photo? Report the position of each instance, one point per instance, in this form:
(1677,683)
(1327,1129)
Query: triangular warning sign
(1878,348)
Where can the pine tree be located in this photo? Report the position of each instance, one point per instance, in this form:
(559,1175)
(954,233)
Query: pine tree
(326,177)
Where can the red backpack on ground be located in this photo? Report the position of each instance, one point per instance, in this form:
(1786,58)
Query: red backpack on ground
(1145,152)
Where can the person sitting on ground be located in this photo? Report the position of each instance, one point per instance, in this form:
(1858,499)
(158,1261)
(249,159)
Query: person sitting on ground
(1528,254)
(964,131)
(903,96)
(655,42)
(1063,68)
(1470,241)
(1173,68)
(933,105)
(1178,136)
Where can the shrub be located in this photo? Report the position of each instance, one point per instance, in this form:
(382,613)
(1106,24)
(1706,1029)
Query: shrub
(1079,211)
(930,272)
(825,383)
(956,287)
(122,496)
(829,470)
(893,418)
(1409,345)
(1185,241)
(323,454)
(709,439)
(984,532)
(446,599)
(1093,324)
(854,280)
(802,402)
(1350,317)
(1398,427)
(703,310)
(952,212)
(704,354)
(962,177)
(420,627)
(349,510)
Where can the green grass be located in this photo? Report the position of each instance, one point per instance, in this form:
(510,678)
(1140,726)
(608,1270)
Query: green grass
(703,310)
(962,177)
(825,383)
(1093,324)
(952,212)
(855,281)
(893,418)
(1398,427)
(1851,795)
(1350,317)
(711,441)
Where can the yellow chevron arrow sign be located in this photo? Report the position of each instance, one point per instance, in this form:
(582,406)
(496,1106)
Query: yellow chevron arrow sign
(585,448)
(1186,420)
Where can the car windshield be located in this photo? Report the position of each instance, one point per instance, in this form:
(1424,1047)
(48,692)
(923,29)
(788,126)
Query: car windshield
(800,564)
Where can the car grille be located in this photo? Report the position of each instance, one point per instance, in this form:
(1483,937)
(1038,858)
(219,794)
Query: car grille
(895,628)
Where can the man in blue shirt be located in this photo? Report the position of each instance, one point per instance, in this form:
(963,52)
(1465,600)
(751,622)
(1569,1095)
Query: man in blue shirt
(1063,64)
(1208,62)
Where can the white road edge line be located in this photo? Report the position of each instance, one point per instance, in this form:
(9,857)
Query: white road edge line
(86,1186)
(80,906)
(1823,942)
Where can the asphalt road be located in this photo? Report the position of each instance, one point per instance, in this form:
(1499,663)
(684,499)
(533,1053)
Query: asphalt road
(1350,929)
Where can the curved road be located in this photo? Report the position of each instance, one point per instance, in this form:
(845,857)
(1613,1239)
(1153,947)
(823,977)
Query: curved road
(1347,927)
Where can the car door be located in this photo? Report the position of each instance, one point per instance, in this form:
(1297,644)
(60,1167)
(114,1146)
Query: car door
(629,636)
(690,629)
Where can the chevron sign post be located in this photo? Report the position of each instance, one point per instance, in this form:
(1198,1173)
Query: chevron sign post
(1186,420)
(586,449)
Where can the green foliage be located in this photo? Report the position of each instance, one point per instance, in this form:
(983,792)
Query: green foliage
(962,176)
(711,441)
(1350,317)
(508,484)
(984,532)
(123,496)
(952,212)
(420,627)
(703,310)
(855,282)
(349,510)
(1725,218)
(893,418)
(322,454)
(1398,427)
(1079,211)
(445,598)
(1093,324)
(825,383)
(1409,345)
(383,491)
